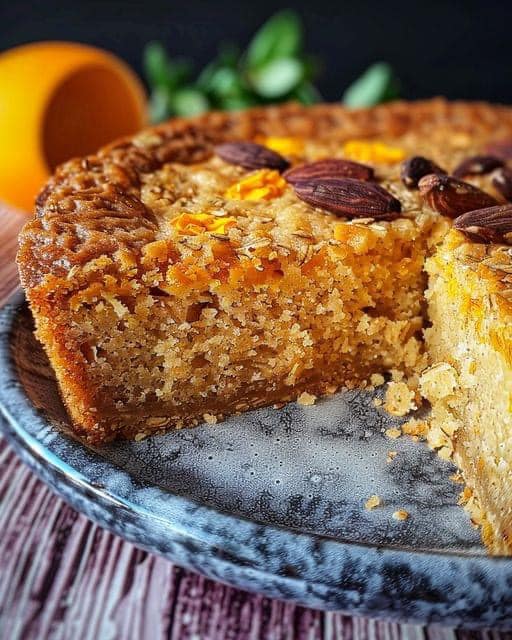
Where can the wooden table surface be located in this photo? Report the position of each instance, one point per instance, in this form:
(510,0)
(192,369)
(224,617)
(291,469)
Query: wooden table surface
(62,577)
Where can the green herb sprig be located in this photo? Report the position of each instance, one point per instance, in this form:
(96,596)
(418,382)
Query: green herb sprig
(273,68)
(377,84)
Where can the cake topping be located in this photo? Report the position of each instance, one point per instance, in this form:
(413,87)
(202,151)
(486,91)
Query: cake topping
(264,184)
(493,224)
(415,168)
(348,197)
(373,152)
(250,155)
(286,146)
(502,182)
(477,165)
(329,168)
(451,197)
(196,223)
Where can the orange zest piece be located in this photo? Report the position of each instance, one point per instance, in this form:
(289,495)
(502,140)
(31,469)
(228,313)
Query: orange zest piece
(264,184)
(287,146)
(193,224)
(370,151)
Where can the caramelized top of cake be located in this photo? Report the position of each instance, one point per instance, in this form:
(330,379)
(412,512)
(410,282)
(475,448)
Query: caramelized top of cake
(165,200)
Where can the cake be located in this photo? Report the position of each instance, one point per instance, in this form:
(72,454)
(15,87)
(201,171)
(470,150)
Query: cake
(469,380)
(209,266)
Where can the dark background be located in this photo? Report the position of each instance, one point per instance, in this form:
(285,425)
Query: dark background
(456,49)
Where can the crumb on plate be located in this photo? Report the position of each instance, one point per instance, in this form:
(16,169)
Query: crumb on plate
(393,433)
(306,399)
(372,502)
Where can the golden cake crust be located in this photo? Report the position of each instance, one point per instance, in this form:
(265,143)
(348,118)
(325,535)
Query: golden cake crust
(92,206)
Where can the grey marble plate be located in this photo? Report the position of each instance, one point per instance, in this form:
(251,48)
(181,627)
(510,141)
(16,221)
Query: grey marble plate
(271,501)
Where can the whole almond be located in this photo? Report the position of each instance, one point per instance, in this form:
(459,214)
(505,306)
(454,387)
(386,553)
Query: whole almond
(502,182)
(250,155)
(413,169)
(349,198)
(452,197)
(327,169)
(493,224)
(500,148)
(477,165)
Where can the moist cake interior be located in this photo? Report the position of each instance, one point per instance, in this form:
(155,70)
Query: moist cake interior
(237,303)
(469,382)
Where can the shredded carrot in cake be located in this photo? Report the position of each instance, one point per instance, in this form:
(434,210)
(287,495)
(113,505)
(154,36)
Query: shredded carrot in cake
(264,184)
(196,223)
(287,146)
(368,151)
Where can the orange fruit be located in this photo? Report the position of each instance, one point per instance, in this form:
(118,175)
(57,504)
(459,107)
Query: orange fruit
(59,100)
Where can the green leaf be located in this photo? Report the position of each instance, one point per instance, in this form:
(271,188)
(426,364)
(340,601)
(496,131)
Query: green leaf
(159,105)
(189,101)
(237,103)
(161,71)
(377,84)
(227,58)
(279,37)
(277,77)
(225,87)
(155,64)
(219,80)
(306,93)
(229,54)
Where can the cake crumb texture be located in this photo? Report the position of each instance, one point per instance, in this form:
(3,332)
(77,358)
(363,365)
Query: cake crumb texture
(469,380)
(372,502)
(306,399)
(399,399)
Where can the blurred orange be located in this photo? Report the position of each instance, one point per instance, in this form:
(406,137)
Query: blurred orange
(59,100)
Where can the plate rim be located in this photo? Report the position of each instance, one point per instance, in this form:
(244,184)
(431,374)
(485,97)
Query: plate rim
(300,586)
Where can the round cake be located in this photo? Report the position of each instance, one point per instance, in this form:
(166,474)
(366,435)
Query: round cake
(209,266)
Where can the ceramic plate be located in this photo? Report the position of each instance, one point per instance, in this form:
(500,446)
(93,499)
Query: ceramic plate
(270,501)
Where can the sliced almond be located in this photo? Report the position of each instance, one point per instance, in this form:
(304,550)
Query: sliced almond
(328,169)
(493,224)
(349,198)
(452,197)
(250,155)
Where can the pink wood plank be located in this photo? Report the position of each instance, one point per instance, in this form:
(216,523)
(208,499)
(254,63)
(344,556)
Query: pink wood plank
(11,221)
(63,577)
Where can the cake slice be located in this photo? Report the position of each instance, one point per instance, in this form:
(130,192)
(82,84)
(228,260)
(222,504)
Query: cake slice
(469,382)
(220,300)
